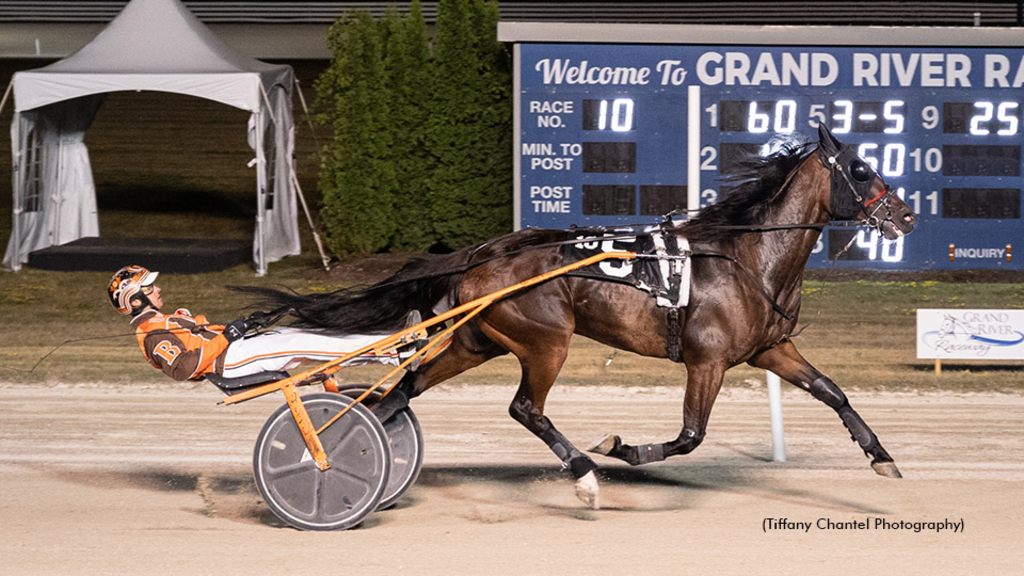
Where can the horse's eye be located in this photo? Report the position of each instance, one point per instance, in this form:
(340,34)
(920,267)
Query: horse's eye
(860,171)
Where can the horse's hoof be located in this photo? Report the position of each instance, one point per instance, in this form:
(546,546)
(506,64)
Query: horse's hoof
(587,489)
(606,445)
(887,469)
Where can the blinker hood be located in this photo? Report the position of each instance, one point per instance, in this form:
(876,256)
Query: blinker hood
(852,178)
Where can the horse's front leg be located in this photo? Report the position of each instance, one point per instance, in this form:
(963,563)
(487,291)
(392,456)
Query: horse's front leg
(703,382)
(788,364)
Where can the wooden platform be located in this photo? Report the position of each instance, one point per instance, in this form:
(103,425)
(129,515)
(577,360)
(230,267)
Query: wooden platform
(178,255)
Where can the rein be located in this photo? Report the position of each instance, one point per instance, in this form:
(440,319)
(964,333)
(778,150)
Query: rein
(461,269)
(256,321)
(830,164)
(709,254)
(753,279)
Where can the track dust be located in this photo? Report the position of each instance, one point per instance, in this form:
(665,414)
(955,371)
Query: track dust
(103,479)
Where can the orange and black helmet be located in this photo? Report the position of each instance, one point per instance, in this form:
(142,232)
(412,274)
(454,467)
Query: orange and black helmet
(128,283)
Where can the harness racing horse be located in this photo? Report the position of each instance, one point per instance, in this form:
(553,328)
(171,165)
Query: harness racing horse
(748,256)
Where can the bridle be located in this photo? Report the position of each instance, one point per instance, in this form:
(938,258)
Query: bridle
(851,174)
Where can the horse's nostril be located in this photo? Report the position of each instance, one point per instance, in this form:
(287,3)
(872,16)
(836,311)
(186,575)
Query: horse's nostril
(908,218)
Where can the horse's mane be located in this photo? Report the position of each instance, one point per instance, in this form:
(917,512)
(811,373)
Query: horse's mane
(754,186)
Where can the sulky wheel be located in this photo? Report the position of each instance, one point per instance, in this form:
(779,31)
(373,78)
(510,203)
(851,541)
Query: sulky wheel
(339,497)
(406,441)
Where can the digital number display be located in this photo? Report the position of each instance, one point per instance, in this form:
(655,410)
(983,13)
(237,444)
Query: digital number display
(863,245)
(980,160)
(615,133)
(614,114)
(847,116)
(783,116)
(989,203)
(609,157)
(658,200)
(759,117)
(609,200)
(983,118)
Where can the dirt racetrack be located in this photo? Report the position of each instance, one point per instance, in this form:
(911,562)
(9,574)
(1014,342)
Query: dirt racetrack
(98,479)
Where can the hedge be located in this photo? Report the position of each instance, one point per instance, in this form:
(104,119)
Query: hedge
(421,154)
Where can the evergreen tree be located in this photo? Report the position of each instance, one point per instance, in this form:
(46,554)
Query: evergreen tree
(406,54)
(357,178)
(469,127)
(421,154)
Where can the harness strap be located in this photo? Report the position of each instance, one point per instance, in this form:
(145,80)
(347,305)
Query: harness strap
(877,198)
(757,228)
(672,342)
(764,292)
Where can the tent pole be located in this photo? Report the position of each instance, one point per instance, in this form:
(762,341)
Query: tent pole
(261,209)
(7,93)
(295,181)
(319,154)
(316,237)
(312,130)
(17,195)
(16,215)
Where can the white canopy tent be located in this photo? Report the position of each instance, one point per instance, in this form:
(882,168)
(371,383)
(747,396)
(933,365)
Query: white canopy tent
(151,45)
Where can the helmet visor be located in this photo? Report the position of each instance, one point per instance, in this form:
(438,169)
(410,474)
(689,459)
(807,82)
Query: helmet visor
(147,281)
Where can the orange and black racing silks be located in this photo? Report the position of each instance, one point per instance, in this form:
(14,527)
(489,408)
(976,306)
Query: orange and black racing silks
(181,345)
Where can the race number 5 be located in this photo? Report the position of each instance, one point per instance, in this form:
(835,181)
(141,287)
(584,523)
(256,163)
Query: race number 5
(620,268)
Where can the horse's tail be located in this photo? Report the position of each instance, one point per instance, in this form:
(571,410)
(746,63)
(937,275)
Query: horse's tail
(380,308)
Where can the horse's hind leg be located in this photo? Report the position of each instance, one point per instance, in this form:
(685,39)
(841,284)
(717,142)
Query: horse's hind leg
(785,361)
(469,349)
(541,357)
(527,408)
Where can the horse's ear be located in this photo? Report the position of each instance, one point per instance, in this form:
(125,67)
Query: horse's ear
(826,141)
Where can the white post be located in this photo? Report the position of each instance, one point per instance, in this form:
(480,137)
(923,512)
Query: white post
(775,409)
(693,150)
(517,139)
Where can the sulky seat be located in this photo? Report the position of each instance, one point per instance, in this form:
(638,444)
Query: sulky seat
(231,386)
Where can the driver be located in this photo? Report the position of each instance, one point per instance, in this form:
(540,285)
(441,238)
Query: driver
(186,347)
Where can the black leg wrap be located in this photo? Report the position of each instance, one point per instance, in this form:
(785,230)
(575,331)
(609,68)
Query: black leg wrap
(859,431)
(687,442)
(580,465)
(628,454)
(647,453)
(572,459)
(650,453)
(826,390)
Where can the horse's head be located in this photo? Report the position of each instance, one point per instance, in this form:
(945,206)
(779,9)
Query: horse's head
(948,324)
(859,193)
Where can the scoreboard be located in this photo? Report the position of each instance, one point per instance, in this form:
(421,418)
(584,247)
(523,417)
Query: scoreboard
(621,124)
